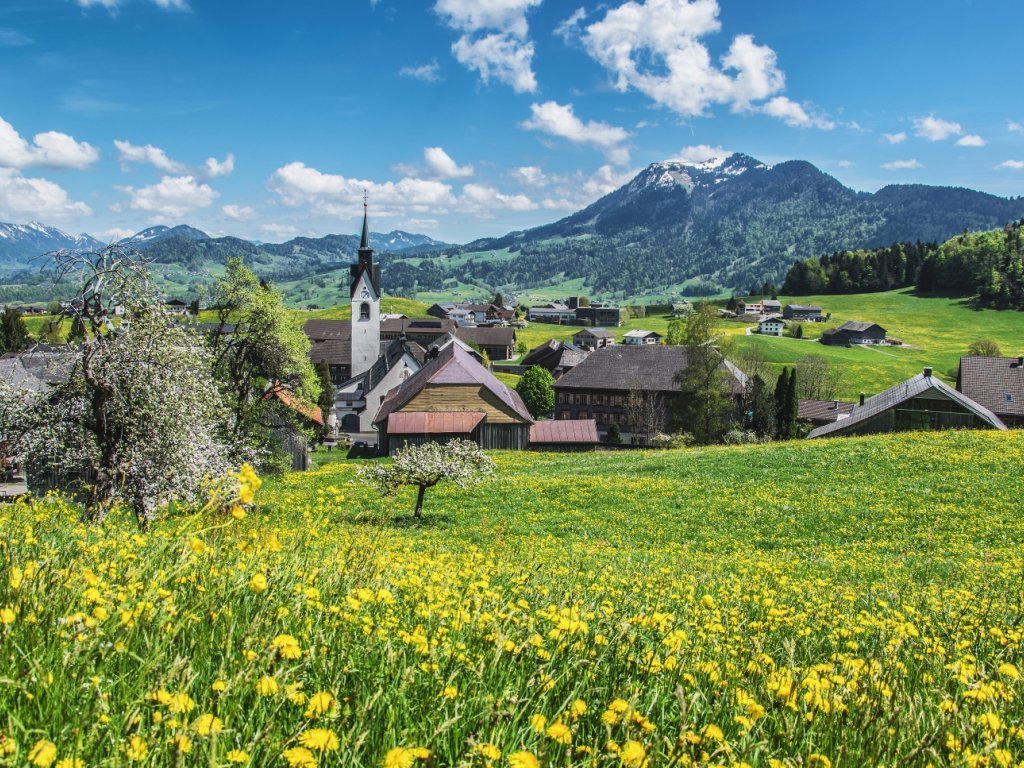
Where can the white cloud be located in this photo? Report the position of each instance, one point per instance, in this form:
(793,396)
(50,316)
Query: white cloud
(494,39)
(49,149)
(902,165)
(846,163)
(12,38)
(701,152)
(114,234)
(22,198)
(531,176)
(1014,127)
(655,47)
(239,212)
(280,232)
(419,225)
(428,73)
(895,138)
(113,5)
(130,154)
(297,184)
(214,168)
(570,27)
(935,129)
(794,114)
(481,199)
(440,164)
(1012,164)
(971,140)
(172,197)
(559,120)
(499,56)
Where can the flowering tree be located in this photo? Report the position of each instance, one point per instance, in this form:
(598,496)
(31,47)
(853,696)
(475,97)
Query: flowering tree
(424,466)
(136,410)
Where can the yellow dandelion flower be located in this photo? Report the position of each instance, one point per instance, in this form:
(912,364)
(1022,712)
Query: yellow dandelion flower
(523,760)
(208,725)
(538,722)
(136,749)
(449,692)
(266,686)
(815,760)
(258,583)
(1009,671)
(559,731)
(237,756)
(286,647)
(7,615)
(43,753)
(488,751)
(632,754)
(70,762)
(399,757)
(183,744)
(712,732)
(300,757)
(219,686)
(320,739)
(319,703)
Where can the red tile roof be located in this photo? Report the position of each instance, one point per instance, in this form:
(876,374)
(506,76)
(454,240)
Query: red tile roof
(433,422)
(290,399)
(564,431)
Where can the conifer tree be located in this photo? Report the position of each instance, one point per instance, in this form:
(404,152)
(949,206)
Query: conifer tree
(14,336)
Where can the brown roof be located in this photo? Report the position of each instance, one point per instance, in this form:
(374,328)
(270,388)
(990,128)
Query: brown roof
(994,382)
(418,326)
(486,337)
(327,329)
(562,431)
(433,422)
(649,367)
(289,398)
(453,366)
(823,411)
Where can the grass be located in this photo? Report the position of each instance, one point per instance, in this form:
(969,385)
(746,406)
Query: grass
(835,604)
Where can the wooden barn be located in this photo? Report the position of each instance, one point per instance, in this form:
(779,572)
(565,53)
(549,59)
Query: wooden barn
(451,397)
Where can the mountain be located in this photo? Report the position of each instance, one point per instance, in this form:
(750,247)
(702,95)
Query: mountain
(20,243)
(151,235)
(735,222)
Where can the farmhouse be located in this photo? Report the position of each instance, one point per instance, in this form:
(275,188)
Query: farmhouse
(996,383)
(468,313)
(557,313)
(771,326)
(640,338)
(820,412)
(749,308)
(805,313)
(498,343)
(593,338)
(599,314)
(452,396)
(602,386)
(566,435)
(920,403)
(556,357)
(854,332)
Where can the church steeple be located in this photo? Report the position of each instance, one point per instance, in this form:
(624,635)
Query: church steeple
(366,265)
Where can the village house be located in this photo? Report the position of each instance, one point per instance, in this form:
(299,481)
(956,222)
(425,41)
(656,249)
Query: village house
(554,356)
(923,402)
(640,338)
(497,343)
(820,412)
(593,338)
(601,386)
(598,314)
(854,332)
(566,435)
(468,313)
(771,326)
(996,383)
(451,397)
(804,313)
(557,313)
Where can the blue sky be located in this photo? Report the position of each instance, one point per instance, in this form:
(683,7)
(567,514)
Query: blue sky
(469,118)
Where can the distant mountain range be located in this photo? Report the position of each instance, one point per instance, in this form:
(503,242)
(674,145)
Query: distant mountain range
(734,222)
(21,243)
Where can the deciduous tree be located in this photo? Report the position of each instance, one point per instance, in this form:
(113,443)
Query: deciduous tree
(537,388)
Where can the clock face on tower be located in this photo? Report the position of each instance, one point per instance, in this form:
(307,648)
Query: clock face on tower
(365,294)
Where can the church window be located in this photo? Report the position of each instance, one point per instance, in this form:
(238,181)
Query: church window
(364,311)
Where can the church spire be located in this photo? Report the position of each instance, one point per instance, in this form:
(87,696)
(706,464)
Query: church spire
(364,243)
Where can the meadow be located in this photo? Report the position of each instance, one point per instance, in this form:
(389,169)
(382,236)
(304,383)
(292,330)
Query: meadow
(853,603)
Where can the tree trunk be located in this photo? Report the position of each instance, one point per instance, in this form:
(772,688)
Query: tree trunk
(419,502)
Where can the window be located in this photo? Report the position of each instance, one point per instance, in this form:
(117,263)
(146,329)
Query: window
(1009,397)
(364,311)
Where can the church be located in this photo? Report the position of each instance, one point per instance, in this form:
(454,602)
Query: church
(364,366)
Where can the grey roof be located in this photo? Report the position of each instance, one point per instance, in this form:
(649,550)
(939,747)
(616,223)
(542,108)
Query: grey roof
(391,355)
(804,307)
(650,367)
(599,333)
(452,366)
(418,326)
(902,392)
(37,368)
(554,354)
(486,336)
(823,410)
(988,381)
(858,326)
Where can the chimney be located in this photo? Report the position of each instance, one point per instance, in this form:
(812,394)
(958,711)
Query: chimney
(1020,362)
(927,373)
(862,398)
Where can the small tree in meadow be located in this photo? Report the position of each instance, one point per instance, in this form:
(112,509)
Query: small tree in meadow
(424,466)
(537,388)
(984,348)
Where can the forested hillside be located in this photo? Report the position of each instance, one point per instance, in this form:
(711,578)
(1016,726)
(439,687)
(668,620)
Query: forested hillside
(986,265)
